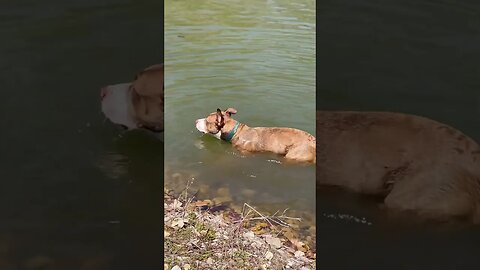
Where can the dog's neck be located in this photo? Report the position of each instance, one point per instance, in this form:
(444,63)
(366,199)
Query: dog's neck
(230,129)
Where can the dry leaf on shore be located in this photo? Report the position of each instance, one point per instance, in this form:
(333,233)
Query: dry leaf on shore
(273,241)
(179,222)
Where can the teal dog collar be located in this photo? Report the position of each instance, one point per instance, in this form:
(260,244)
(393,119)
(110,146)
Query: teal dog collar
(230,135)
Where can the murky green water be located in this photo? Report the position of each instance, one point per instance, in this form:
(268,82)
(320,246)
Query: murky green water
(73,194)
(255,56)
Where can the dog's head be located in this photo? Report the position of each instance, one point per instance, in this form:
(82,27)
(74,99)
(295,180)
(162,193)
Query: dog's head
(216,122)
(138,104)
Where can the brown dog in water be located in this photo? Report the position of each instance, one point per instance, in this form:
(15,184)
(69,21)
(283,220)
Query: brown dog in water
(294,144)
(137,104)
(417,164)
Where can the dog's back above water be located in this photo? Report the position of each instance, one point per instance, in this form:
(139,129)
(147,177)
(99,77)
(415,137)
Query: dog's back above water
(416,164)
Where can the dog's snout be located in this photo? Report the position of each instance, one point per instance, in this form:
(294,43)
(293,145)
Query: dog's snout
(103,92)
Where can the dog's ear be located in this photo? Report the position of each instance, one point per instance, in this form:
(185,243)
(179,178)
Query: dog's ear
(219,118)
(230,111)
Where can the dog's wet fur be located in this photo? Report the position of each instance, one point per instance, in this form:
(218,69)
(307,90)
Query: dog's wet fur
(415,164)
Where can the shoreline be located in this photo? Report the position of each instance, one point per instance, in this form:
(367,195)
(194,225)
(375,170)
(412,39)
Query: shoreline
(201,235)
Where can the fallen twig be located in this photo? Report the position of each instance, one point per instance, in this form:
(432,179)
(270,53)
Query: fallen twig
(279,220)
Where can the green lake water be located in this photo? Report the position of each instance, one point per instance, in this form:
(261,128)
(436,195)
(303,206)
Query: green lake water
(257,57)
(74,192)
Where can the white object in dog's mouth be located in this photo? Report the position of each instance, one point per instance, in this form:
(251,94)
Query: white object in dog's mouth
(116,105)
(201,125)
